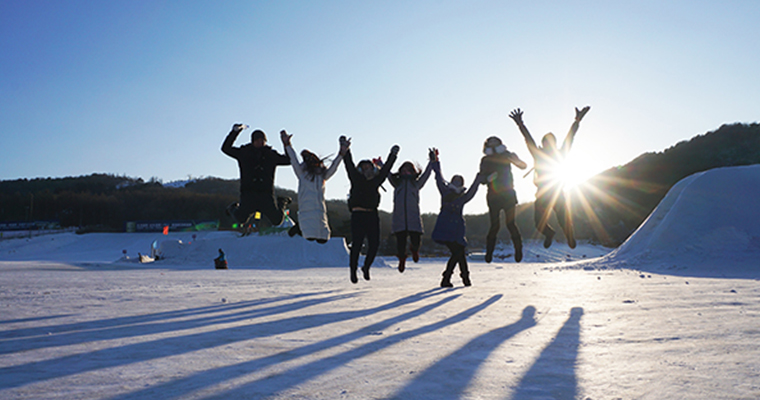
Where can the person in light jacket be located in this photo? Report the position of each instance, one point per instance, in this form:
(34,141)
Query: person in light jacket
(407,221)
(312,174)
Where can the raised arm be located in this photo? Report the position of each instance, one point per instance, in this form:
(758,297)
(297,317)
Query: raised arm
(439,181)
(472,190)
(227,147)
(386,169)
(516,115)
(334,164)
(514,159)
(579,114)
(286,143)
(432,158)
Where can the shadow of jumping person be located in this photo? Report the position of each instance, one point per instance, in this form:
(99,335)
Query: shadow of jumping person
(553,374)
(460,366)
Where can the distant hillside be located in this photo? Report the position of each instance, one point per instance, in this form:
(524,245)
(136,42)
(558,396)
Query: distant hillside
(621,198)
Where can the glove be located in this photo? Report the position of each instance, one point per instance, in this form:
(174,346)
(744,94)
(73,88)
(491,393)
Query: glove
(395,149)
(433,155)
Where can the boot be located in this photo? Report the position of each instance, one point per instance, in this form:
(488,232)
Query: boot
(517,242)
(548,239)
(365,271)
(466,280)
(446,283)
(294,230)
(401,263)
(489,251)
(415,255)
(354,278)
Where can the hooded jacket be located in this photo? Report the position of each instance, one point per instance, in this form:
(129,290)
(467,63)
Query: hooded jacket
(450,225)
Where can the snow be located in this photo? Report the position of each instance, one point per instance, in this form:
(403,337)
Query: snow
(80,320)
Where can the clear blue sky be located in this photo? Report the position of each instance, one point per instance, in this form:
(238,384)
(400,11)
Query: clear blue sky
(151,88)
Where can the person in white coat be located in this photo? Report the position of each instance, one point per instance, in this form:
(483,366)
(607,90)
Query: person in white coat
(312,174)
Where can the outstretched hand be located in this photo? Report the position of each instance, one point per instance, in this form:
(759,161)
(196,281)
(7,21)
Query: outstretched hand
(285,138)
(239,127)
(579,114)
(433,154)
(516,115)
(345,143)
(395,149)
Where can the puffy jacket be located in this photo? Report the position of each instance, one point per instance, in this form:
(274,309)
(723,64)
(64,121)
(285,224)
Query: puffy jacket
(406,201)
(450,225)
(312,211)
(364,192)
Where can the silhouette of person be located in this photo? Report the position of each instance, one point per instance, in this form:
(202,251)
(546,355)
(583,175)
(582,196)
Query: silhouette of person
(257,163)
(547,160)
(496,168)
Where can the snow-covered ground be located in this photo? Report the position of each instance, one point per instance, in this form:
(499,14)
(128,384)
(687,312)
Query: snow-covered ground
(673,313)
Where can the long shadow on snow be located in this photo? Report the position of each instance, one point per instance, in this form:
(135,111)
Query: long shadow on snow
(141,325)
(458,368)
(276,384)
(20,375)
(553,374)
(206,378)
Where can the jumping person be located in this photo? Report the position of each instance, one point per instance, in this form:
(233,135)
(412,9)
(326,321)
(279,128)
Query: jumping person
(450,226)
(364,198)
(496,167)
(549,194)
(257,163)
(312,174)
(407,221)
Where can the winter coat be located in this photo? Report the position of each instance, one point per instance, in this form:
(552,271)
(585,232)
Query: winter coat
(256,165)
(450,225)
(312,211)
(497,170)
(406,200)
(364,192)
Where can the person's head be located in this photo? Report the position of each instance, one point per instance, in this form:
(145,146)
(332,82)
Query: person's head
(457,181)
(408,169)
(493,145)
(258,138)
(549,141)
(311,159)
(367,168)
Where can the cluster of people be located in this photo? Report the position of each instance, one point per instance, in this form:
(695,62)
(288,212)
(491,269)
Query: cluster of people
(257,163)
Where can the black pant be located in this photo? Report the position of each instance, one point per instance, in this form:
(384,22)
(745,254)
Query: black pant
(458,256)
(543,206)
(414,238)
(497,202)
(250,202)
(364,224)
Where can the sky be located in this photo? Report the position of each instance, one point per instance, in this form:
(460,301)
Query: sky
(150,89)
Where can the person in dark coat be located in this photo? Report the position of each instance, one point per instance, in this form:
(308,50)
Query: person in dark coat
(450,226)
(363,200)
(496,167)
(406,219)
(257,163)
(550,193)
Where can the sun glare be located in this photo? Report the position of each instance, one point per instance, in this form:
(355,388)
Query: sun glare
(573,172)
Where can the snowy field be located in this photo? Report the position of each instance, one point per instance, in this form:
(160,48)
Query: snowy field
(674,313)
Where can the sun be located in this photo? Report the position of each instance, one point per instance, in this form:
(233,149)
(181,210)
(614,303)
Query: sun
(573,172)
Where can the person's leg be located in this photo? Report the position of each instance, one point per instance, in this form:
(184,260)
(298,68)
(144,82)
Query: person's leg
(373,240)
(416,239)
(565,218)
(358,233)
(494,212)
(464,271)
(514,231)
(541,214)
(274,214)
(450,265)
(401,249)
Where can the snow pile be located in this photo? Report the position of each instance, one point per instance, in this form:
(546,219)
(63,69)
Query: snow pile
(269,251)
(708,220)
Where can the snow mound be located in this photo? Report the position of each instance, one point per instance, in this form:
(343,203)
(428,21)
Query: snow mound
(269,251)
(710,219)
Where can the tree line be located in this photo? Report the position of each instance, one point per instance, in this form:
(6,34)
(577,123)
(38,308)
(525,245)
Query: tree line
(607,209)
